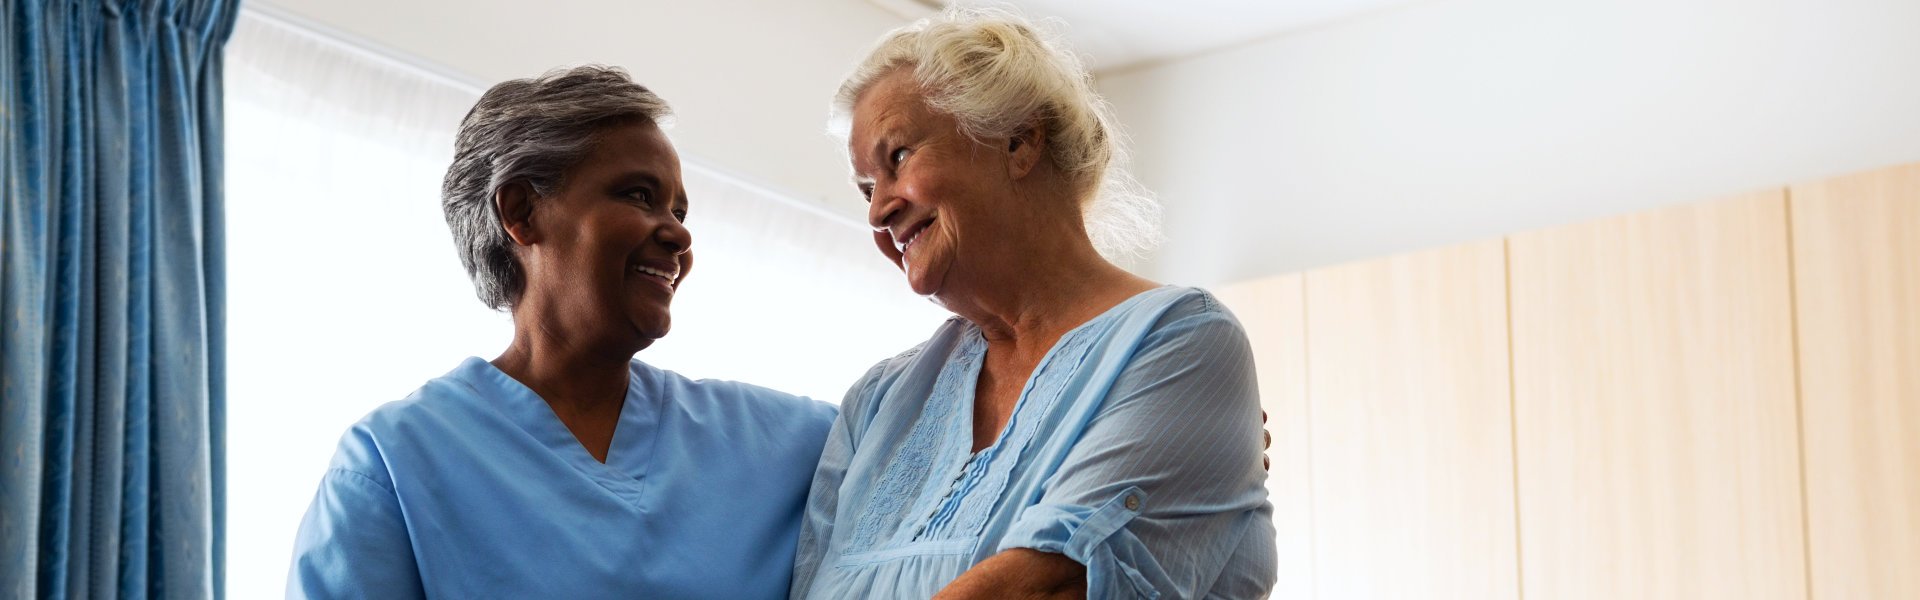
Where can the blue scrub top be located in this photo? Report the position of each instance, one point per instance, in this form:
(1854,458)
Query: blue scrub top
(472,488)
(1134,449)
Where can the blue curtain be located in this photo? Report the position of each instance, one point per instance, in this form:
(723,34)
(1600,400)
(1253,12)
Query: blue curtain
(112,381)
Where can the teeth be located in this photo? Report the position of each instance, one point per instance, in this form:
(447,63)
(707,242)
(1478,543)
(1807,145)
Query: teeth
(909,243)
(646,270)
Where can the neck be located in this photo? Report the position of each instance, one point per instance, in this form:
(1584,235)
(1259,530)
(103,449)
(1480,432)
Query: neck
(569,375)
(1054,287)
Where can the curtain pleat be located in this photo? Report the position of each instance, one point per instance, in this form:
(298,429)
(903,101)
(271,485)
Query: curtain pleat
(112,399)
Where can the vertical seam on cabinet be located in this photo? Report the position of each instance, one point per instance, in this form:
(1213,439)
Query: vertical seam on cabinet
(1799,399)
(1306,385)
(1513,422)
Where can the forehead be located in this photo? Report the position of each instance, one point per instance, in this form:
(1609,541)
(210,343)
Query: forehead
(894,98)
(633,146)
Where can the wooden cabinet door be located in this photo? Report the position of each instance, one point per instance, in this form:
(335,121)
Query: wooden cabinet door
(1856,251)
(1654,406)
(1410,402)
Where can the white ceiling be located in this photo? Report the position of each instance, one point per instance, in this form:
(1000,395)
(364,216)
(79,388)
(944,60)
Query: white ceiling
(750,79)
(1119,34)
(1278,138)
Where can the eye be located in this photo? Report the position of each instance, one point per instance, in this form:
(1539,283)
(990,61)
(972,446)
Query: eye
(866,189)
(640,195)
(898,155)
(680,215)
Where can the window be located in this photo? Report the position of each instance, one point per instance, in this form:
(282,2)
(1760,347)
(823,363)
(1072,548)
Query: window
(345,292)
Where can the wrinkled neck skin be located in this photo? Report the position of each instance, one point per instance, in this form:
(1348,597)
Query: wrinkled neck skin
(1041,280)
(574,369)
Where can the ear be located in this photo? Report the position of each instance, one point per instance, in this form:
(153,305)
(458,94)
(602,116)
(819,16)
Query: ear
(1025,149)
(514,203)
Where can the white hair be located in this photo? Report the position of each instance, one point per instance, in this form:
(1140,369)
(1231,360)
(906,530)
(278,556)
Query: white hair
(996,73)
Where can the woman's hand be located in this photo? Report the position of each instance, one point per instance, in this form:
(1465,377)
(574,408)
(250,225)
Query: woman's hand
(1018,574)
(1265,462)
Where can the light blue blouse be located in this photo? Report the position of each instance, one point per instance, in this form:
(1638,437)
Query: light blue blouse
(472,488)
(1134,449)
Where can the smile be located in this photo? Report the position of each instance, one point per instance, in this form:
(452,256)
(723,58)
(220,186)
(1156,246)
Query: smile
(663,276)
(912,236)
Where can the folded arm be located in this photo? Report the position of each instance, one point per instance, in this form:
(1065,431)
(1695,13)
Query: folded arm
(1161,490)
(1020,574)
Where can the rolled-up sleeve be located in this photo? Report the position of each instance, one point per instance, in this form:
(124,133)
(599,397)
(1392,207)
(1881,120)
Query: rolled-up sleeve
(1087,535)
(1163,493)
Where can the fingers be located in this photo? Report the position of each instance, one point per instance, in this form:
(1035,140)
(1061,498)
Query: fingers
(1265,463)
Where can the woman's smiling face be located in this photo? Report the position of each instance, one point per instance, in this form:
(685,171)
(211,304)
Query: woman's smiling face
(612,247)
(934,194)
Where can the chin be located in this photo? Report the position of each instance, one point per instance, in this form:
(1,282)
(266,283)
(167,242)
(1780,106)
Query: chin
(921,284)
(927,282)
(650,320)
(653,333)
(648,332)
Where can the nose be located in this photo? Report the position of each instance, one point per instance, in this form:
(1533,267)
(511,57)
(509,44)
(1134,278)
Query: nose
(882,206)
(675,237)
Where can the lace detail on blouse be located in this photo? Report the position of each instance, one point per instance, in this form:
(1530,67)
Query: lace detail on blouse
(910,465)
(995,465)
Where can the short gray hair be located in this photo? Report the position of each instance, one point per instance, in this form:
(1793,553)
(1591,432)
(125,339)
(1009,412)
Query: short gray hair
(995,72)
(533,130)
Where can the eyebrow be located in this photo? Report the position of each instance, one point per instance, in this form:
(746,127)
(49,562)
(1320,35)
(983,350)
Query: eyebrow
(647,177)
(629,178)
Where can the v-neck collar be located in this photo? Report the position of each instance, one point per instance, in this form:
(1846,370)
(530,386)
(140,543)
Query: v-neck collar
(628,455)
(975,480)
(1067,347)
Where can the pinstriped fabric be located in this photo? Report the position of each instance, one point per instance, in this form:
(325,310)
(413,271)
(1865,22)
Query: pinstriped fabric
(998,460)
(1134,449)
(911,463)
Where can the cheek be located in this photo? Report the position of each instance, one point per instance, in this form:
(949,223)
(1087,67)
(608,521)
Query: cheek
(946,193)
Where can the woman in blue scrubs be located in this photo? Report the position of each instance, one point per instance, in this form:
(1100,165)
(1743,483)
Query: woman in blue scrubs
(564,468)
(1074,430)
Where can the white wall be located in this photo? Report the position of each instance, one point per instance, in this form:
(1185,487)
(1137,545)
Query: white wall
(750,79)
(1452,120)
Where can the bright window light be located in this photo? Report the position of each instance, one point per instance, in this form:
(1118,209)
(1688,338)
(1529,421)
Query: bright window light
(345,292)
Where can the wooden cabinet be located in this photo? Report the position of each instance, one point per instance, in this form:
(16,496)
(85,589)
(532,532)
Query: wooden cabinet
(1411,427)
(1654,402)
(1716,401)
(1856,248)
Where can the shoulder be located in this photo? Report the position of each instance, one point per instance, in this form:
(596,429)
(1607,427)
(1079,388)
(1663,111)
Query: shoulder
(1195,302)
(1194,315)
(916,363)
(1194,347)
(367,447)
(447,401)
(736,401)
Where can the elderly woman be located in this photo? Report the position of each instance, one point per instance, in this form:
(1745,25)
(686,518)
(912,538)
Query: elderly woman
(564,468)
(1075,430)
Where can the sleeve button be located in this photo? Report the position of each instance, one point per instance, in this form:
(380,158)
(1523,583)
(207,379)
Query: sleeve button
(1133,502)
